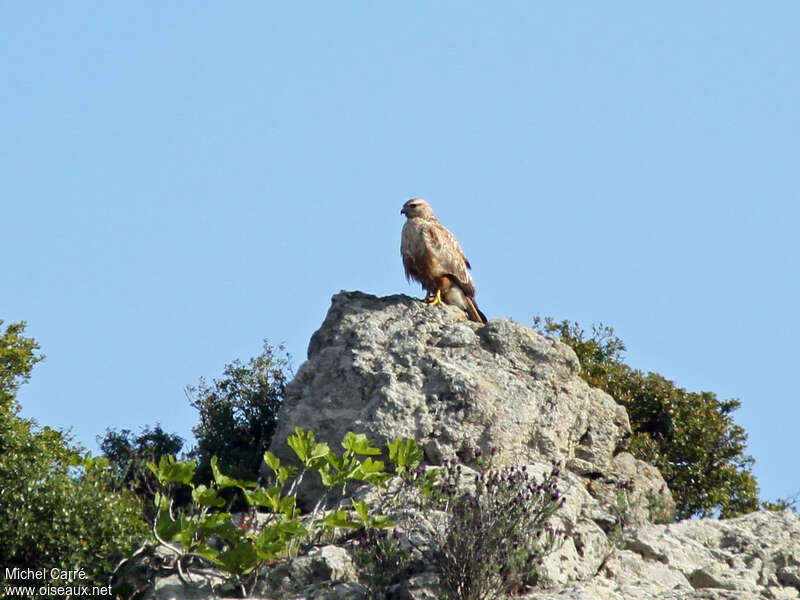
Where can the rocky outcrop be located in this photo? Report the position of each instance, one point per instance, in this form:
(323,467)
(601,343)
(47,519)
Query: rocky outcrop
(396,367)
(756,556)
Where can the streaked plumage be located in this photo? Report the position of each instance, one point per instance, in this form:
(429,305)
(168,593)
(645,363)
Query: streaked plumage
(433,257)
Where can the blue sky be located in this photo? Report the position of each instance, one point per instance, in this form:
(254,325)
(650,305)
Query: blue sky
(180,180)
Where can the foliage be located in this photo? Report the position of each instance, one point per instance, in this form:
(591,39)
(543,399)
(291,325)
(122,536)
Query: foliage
(57,509)
(623,510)
(406,455)
(691,437)
(188,531)
(381,559)
(238,413)
(791,504)
(129,454)
(489,537)
(241,549)
(17,358)
(660,508)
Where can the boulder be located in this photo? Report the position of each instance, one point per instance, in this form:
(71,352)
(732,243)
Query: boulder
(396,367)
(755,556)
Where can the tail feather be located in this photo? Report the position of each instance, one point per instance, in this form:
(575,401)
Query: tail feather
(474,312)
(452,293)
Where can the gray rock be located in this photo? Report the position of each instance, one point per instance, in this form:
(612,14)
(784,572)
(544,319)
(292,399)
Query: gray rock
(321,570)
(714,559)
(423,586)
(396,367)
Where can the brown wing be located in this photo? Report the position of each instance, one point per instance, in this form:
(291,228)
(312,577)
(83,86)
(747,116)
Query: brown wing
(447,256)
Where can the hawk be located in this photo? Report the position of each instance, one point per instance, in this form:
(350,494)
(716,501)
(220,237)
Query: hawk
(433,257)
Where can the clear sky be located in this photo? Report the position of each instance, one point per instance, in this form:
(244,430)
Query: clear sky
(180,180)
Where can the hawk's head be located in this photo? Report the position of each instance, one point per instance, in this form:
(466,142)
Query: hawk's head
(417,207)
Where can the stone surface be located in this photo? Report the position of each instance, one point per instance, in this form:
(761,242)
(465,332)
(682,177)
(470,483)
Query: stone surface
(396,367)
(743,558)
(321,569)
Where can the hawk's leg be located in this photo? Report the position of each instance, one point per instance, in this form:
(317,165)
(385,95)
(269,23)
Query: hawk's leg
(432,299)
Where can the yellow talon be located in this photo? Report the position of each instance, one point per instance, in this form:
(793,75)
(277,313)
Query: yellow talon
(434,300)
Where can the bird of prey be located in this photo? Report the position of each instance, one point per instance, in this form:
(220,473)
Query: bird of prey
(433,257)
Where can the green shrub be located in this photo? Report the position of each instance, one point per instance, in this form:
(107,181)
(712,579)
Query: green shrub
(17,358)
(238,413)
(690,436)
(56,509)
(241,549)
(791,504)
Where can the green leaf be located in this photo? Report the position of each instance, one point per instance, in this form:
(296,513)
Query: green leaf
(372,472)
(161,501)
(166,528)
(239,559)
(187,531)
(361,509)
(307,449)
(380,522)
(286,506)
(97,462)
(285,473)
(358,443)
(207,551)
(372,466)
(292,528)
(269,543)
(273,539)
(171,471)
(370,522)
(223,481)
(339,518)
(340,469)
(269,550)
(273,462)
(220,525)
(281,473)
(259,497)
(74,459)
(207,496)
(271,498)
(330,477)
(405,454)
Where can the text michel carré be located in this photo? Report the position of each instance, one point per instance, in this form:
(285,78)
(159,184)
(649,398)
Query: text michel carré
(16,574)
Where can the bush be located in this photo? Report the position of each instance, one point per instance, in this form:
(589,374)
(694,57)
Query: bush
(238,413)
(57,509)
(486,533)
(690,436)
(17,358)
(205,531)
(381,559)
(791,504)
